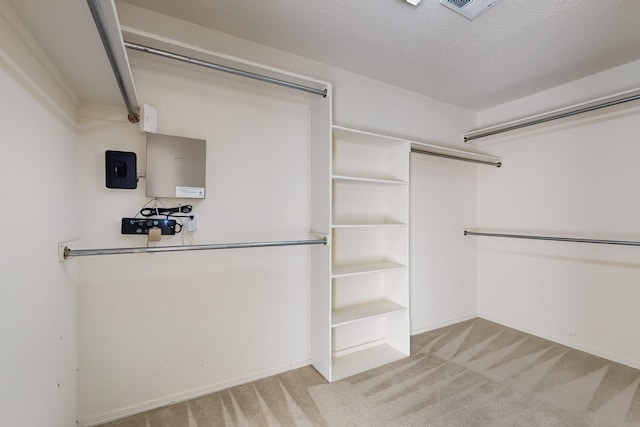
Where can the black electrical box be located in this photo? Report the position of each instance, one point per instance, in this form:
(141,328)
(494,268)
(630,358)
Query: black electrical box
(120,169)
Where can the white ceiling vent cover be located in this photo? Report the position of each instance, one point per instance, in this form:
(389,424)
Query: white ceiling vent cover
(470,9)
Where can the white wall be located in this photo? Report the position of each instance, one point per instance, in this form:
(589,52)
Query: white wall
(158,328)
(577,177)
(154,328)
(443,261)
(38,293)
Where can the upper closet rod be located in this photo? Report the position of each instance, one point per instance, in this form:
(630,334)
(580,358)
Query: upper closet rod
(558,239)
(107,25)
(218,67)
(585,107)
(449,156)
(153,249)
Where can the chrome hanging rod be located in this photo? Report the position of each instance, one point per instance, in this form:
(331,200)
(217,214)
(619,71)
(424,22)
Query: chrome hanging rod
(558,239)
(449,156)
(68,253)
(555,115)
(118,60)
(218,67)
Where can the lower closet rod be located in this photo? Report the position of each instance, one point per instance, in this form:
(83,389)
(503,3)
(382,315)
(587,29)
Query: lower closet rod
(559,239)
(153,249)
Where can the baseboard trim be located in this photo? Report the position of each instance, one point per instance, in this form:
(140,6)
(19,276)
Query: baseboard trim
(186,395)
(557,340)
(444,324)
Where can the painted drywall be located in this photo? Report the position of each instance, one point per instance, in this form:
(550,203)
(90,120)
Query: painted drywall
(155,328)
(575,177)
(443,262)
(38,293)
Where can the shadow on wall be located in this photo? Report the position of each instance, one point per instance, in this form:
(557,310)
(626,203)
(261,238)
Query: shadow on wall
(573,259)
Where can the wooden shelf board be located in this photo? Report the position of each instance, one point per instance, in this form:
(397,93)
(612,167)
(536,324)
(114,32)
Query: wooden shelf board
(365,224)
(357,269)
(367,180)
(363,360)
(355,313)
(364,137)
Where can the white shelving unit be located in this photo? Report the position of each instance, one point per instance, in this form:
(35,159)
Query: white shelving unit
(360,307)
(370,250)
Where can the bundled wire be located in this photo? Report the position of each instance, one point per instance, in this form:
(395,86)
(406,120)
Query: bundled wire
(177,212)
(162,211)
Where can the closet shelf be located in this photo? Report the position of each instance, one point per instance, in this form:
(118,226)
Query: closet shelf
(360,361)
(369,268)
(368,223)
(371,181)
(355,313)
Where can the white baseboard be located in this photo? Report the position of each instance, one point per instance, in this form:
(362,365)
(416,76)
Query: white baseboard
(186,395)
(561,341)
(443,324)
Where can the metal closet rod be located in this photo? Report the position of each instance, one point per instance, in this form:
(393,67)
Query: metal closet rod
(558,239)
(218,67)
(559,114)
(101,25)
(449,156)
(87,252)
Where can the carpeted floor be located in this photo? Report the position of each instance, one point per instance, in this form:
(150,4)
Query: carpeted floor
(475,373)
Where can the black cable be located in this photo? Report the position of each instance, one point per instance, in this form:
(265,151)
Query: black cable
(146,212)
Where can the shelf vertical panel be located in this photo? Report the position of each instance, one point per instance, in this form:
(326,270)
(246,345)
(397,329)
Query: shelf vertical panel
(320,256)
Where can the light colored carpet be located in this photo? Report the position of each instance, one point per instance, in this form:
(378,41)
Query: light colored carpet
(475,373)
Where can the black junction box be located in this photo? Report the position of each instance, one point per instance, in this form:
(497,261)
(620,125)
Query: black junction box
(120,169)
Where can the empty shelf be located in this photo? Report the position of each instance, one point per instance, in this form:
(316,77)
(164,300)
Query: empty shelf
(357,269)
(354,313)
(363,180)
(363,360)
(368,223)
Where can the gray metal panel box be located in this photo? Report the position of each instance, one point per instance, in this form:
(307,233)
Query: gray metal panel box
(175,166)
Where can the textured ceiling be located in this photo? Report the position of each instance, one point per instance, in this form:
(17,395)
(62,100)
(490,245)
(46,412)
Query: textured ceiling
(517,48)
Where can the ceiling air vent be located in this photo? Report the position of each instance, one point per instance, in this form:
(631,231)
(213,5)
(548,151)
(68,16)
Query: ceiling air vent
(470,9)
